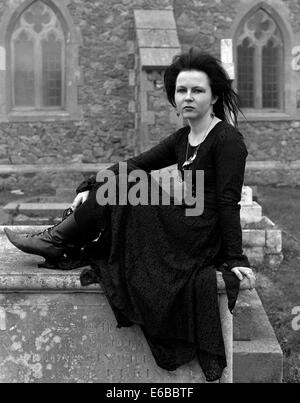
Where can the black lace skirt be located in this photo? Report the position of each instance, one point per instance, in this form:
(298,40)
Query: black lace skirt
(158,269)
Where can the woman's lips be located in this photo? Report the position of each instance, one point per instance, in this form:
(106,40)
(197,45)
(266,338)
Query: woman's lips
(188,108)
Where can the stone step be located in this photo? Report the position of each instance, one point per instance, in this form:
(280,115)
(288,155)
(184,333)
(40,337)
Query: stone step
(49,315)
(68,194)
(247,196)
(37,209)
(27,220)
(249,213)
(263,243)
(22,169)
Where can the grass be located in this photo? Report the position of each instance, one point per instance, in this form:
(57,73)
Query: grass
(280,290)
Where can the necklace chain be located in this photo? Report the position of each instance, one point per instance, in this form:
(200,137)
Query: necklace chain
(192,158)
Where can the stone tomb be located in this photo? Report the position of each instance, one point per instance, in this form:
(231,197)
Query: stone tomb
(54,330)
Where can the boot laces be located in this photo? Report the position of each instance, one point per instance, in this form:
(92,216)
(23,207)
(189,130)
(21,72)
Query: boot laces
(37,234)
(47,230)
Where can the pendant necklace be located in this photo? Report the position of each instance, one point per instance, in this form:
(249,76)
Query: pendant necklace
(192,158)
(189,161)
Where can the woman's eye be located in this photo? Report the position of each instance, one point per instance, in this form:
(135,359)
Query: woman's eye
(180,90)
(198,91)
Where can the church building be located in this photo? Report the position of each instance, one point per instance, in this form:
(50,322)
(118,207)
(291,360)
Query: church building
(81,81)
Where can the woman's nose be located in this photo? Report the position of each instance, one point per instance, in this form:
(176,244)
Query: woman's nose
(189,95)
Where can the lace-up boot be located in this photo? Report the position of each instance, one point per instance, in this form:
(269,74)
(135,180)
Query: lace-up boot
(52,243)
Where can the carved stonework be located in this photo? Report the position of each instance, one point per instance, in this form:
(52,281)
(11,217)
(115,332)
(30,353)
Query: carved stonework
(38,22)
(260,29)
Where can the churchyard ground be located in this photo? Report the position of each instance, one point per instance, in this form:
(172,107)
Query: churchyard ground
(280,290)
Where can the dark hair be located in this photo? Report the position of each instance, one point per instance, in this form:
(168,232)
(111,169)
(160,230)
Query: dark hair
(227,106)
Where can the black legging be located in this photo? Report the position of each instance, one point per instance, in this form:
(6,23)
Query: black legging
(90,215)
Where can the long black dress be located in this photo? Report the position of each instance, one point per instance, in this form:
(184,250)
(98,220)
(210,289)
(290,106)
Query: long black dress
(158,266)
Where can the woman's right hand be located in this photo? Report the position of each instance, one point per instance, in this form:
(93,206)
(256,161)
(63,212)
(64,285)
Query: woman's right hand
(79,199)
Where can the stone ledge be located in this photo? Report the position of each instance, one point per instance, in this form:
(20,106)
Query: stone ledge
(242,317)
(15,169)
(10,169)
(154,19)
(42,281)
(264,224)
(19,271)
(252,213)
(60,281)
(25,220)
(247,196)
(271,165)
(259,360)
(37,209)
(157,38)
(157,57)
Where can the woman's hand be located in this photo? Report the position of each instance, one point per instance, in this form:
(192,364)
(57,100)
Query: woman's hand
(242,272)
(80,199)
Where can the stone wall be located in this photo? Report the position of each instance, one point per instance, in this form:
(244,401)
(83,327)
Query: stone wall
(203,23)
(276,146)
(162,123)
(106,132)
(278,141)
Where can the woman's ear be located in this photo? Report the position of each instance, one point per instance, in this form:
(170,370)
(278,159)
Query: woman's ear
(176,110)
(215,99)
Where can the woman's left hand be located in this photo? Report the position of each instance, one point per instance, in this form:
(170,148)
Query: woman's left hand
(242,272)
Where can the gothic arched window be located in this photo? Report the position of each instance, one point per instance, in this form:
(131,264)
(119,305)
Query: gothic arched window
(38,60)
(260,62)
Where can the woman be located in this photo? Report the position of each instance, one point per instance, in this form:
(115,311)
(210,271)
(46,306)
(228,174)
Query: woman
(157,264)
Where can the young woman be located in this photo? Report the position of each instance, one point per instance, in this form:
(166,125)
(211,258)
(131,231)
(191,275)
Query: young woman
(158,265)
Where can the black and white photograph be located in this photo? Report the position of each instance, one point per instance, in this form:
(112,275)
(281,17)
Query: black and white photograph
(149,194)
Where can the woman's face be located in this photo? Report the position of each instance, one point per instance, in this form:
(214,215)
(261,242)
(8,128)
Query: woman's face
(193,96)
